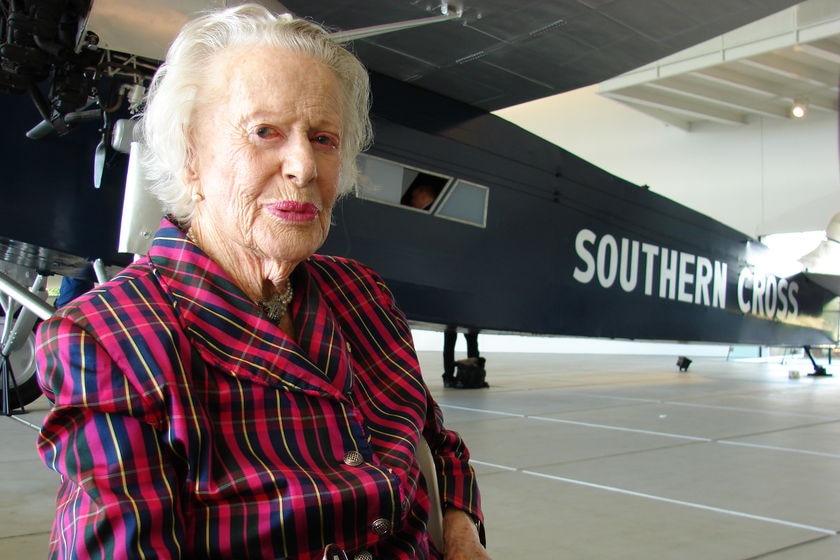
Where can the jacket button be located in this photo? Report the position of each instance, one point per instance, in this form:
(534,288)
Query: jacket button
(353,458)
(380,527)
(333,552)
(363,555)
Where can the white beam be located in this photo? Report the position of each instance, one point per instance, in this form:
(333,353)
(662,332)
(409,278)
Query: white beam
(689,109)
(715,93)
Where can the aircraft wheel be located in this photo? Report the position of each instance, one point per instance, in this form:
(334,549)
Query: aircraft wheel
(22,361)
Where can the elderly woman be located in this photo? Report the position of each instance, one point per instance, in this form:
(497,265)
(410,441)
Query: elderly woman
(232,395)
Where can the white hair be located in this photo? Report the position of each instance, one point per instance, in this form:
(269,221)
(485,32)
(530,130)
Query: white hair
(173,94)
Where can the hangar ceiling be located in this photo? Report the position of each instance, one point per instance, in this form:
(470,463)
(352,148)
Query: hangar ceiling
(759,70)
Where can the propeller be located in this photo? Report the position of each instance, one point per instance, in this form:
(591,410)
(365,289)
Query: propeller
(99,163)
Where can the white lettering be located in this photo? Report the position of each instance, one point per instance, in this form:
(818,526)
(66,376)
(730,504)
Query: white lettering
(702,280)
(651,252)
(686,278)
(629,270)
(607,274)
(767,296)
(668,275)
(771,296)
(794,303)
(719,285)
(744,284)
(681,276)
(585,236)
(782,311)
(758,294)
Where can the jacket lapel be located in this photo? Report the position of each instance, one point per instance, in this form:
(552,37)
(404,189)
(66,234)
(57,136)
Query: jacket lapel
(228,330)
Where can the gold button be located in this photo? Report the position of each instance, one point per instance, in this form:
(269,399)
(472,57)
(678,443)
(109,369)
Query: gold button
(380,527)
(353,458)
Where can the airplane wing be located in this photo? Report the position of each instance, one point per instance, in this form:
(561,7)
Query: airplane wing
(492,54)
(830,282)
(502,53)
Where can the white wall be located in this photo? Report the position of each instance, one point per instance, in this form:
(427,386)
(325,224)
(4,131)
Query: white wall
(769,176)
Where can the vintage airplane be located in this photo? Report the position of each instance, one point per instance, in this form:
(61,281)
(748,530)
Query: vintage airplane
(514,235)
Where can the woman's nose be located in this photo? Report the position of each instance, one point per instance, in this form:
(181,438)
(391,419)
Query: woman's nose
(299,164)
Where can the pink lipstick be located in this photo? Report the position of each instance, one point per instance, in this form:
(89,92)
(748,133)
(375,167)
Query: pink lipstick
(292,211)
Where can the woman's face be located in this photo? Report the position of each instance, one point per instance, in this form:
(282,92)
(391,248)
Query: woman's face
(265,137)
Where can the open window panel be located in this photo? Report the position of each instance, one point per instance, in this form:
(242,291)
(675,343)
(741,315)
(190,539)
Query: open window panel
(392,183)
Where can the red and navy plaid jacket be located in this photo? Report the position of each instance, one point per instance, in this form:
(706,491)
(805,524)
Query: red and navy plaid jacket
(187,426)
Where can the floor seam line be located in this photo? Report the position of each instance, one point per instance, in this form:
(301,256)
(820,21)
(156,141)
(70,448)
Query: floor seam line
(681,502)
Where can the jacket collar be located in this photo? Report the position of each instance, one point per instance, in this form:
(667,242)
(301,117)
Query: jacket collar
(230,332)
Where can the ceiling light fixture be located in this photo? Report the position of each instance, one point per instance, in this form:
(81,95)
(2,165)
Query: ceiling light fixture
(799,109)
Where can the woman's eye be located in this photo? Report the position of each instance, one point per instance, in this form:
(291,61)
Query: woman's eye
(265,132)
(326,140)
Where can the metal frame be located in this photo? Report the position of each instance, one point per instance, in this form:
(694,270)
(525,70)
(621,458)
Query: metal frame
(16,329)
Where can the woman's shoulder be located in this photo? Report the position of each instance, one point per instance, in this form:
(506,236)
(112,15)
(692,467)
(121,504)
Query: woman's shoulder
(133,287)
(348,280)
(342,266)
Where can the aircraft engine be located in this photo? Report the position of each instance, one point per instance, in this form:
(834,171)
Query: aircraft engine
(70,80)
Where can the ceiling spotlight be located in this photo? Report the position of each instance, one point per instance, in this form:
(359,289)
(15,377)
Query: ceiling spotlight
(799,108)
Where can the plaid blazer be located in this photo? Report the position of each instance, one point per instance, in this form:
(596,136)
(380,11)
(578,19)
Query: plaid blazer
(186,425)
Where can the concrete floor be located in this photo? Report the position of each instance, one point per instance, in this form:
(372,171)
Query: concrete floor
(594,457)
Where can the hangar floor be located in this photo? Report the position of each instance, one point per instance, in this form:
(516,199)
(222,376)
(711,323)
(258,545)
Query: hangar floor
(593,457)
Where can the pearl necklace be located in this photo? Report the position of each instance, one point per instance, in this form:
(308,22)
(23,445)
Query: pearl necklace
(274,307)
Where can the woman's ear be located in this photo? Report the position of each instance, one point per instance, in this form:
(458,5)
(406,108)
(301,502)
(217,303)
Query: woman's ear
(191,163)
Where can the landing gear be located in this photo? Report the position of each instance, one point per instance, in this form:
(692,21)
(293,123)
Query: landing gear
(19,385)
(819,371)
(18,382)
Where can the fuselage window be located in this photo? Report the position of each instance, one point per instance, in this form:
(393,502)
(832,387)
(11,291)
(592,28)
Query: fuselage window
(465,202)
(392,183)
(399,185)
(423,191)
